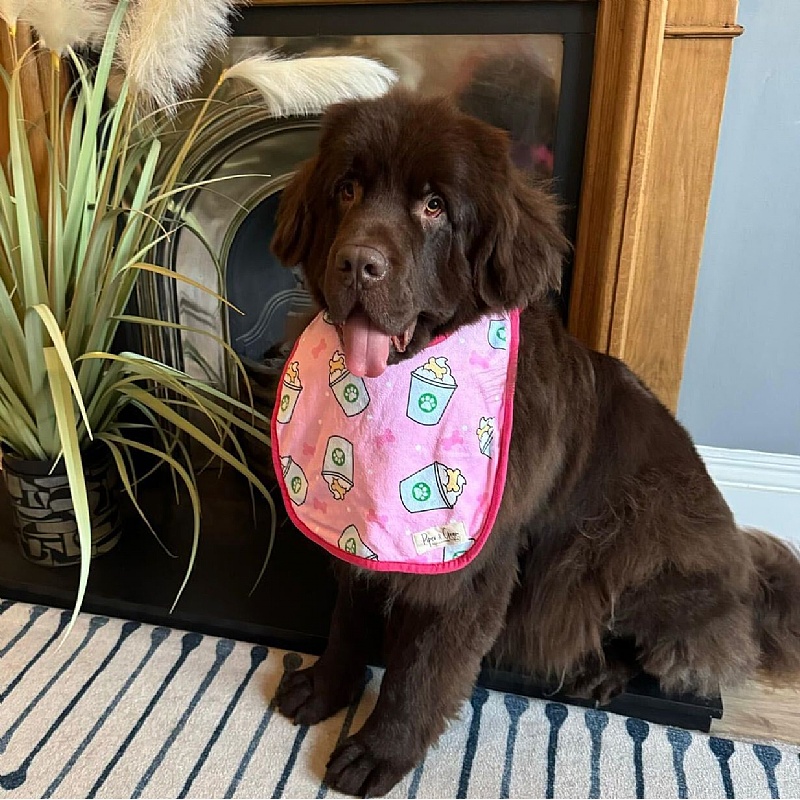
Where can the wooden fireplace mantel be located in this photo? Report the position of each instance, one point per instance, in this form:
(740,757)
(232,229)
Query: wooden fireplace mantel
(661,67)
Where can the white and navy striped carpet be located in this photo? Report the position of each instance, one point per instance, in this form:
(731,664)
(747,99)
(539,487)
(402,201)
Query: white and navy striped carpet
(128,710)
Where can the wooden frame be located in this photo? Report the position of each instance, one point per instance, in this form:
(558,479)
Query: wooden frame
(661,67)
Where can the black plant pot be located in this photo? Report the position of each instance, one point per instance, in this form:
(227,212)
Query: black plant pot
(43,515)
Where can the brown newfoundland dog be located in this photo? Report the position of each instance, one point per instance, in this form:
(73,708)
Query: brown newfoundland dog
(610,531)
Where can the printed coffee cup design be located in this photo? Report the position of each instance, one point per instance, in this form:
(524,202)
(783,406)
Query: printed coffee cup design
(432,488)
(337,468)
(454,551)
(290,391)
(498,334)
(485,434)
(350,541)
(349,390)
(432,386)
(295,479)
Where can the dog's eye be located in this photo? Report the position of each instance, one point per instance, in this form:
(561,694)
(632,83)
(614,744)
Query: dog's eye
(434,206)
(347,191)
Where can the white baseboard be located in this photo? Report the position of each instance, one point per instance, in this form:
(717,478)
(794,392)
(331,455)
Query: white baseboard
(762,489)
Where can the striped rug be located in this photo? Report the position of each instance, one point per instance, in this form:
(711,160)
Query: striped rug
(123,709)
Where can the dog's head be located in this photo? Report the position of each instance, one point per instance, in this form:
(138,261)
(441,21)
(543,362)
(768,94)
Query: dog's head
(410,221)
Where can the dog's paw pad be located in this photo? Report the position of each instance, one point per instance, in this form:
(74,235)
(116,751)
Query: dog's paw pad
(295,690)
(354,769)
(309,696)
(299,699)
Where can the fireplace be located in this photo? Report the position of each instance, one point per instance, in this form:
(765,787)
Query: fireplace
(525,67)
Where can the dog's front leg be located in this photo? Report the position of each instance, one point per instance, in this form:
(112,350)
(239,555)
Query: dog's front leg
(310,695)
(434,654)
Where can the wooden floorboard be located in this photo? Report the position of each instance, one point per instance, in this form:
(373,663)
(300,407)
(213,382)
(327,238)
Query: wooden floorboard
(760,710)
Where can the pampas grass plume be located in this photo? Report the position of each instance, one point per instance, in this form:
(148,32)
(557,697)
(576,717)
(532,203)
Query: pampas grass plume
(302,86)
(10,11)
(70,23)
(164,44)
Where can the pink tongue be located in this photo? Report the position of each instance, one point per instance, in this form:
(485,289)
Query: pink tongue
(366,348)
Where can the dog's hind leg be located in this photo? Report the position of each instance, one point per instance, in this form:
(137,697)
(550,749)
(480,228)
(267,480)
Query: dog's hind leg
(556,628)
(693,632)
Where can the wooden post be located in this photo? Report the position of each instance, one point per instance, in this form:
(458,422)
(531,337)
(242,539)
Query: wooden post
(660,75)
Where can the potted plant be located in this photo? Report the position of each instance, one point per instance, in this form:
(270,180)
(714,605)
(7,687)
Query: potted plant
(80,215)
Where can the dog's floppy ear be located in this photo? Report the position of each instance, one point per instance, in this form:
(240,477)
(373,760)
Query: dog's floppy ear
(294,233)
(520,256)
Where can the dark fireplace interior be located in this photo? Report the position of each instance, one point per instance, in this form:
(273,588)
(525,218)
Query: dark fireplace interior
(523,66)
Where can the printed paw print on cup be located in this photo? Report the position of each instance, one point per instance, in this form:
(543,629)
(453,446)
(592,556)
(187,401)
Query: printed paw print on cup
(351,393)
(498,334)
(432,387)
(290,391)
(351,542)
(427,402)
(337,456)
(421,492)
(349,390)
(337,467)
(295,478)
(433,487)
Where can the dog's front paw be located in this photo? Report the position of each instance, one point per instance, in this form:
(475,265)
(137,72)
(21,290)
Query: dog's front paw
(366,770)
(309,696)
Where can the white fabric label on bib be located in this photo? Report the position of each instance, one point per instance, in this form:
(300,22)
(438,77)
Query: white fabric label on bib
(447,535)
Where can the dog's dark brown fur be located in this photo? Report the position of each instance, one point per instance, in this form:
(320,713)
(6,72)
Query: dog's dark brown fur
(613,550)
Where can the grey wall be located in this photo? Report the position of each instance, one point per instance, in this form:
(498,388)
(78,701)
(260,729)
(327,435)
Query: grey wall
(741,385)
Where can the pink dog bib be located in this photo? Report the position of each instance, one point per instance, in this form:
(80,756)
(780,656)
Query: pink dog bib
(403,472)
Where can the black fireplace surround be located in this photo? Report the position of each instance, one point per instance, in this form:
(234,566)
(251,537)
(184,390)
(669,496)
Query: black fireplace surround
(290,606)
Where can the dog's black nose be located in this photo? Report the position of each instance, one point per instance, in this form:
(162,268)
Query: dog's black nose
(364,264)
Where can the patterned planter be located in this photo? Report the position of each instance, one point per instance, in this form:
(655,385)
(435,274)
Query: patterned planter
(43,515)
